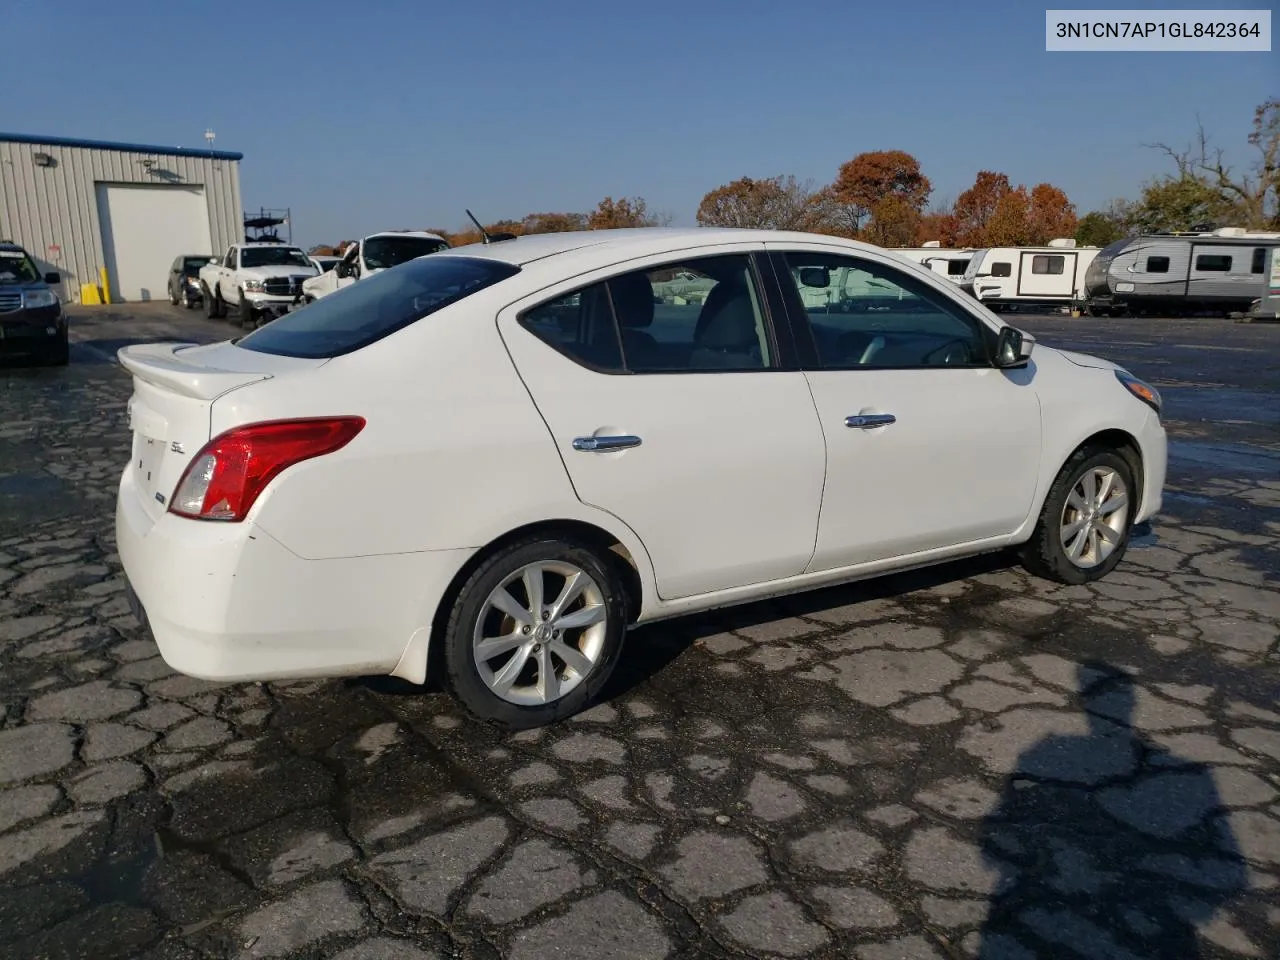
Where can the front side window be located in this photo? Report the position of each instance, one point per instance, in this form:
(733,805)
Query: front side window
(1214,263)
(1002,269)
(697,316)
(1259,260)
(362,313)
(1157,264)
(956,268)
(867,314)
(1047,263)
(273,257)
(382,252)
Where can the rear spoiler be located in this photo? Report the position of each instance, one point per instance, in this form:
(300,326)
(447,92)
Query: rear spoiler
(158,364)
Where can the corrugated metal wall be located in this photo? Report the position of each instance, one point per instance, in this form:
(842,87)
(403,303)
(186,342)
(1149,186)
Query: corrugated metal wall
(53,211)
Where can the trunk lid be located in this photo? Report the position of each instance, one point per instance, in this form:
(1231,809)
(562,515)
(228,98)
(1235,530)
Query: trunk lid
(174,388)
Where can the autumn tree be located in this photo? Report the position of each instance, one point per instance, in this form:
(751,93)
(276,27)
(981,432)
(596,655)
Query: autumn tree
(554,222)
(871,177)
(893,222)
(1097,229)
(611,214)
(938,223)
(1010,223)
(774,203)
(1050,214)
(977,205)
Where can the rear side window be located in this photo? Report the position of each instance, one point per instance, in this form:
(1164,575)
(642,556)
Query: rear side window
(1157,264)
(1002,269)
(956,268)
(1043,263)
(1259,260)
(365,312)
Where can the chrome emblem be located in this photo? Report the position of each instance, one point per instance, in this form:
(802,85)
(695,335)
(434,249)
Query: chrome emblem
(177,447)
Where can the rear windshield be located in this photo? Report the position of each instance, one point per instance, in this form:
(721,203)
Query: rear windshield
(364,312)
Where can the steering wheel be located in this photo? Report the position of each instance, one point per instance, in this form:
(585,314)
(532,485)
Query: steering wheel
(953,352)
(874,347)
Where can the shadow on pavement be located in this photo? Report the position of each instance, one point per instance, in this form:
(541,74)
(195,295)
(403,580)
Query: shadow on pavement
(1105,843)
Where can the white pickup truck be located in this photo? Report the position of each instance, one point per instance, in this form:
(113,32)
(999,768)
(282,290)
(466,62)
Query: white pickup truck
(255,280)
(376,252)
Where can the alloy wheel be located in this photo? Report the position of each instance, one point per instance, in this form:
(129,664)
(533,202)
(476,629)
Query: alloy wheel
(1094,517)
(540,633)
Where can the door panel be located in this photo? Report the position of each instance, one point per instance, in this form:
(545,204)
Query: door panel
(719,473)
(1046,274)
(928,445)
(958,464)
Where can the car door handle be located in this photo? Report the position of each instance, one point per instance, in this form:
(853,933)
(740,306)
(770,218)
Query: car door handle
(605,444)
(865,421)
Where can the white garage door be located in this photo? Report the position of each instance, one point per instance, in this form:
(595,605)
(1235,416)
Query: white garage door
(144,227)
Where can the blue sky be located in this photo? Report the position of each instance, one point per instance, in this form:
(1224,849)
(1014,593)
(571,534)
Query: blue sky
(399,113)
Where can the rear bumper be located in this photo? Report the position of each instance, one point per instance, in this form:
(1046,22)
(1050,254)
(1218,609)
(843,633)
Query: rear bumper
(228,602)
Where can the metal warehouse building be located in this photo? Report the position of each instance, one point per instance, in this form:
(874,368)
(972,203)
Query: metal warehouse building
(80,205)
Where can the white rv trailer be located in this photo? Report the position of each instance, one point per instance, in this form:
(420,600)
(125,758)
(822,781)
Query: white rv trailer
(1169,274)
(950,263)
(1010,277)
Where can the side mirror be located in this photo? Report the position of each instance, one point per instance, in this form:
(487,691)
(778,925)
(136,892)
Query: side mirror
(1013,347)
(52,278)
(819,277)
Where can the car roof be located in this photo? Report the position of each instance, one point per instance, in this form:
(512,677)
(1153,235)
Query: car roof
(622,244)
(424,234)
(11,246)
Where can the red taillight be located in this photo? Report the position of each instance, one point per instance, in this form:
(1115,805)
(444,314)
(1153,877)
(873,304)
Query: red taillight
(226,476)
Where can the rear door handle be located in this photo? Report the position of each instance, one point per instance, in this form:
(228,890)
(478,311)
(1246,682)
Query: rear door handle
(605,444)
(865,421)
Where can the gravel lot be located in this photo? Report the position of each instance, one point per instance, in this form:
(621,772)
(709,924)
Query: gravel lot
(964,762)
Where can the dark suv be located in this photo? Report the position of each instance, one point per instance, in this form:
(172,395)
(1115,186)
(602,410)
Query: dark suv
(31,319)
(184,279)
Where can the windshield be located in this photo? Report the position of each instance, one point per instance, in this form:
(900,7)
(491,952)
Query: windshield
(365,312)
(17,267)
(381,252)
(273,257)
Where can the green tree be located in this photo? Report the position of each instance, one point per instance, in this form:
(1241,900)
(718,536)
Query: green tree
(1185,202)
(1097,229)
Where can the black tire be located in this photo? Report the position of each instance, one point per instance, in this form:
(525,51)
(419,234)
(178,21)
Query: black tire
(1044,554)
(245,314)
(189,302)
(210,304)
(463,676)
(173,297)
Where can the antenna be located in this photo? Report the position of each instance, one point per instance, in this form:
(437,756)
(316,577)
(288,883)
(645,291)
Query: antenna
(484,236)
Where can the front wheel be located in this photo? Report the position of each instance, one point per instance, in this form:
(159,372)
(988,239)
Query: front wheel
(1084,526)
(535,632)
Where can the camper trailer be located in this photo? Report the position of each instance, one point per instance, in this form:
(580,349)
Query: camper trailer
(1174,274)
(949,263)
(1011,277)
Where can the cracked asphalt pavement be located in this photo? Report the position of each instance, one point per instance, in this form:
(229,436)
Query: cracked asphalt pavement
(956,763)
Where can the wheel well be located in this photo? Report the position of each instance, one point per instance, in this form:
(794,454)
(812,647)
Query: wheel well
(1127,446)
(611,550)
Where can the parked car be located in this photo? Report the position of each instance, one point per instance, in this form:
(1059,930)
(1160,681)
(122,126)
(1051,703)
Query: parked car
(506,453)
(365,257)
(184,279)
(32,323)
(255,280)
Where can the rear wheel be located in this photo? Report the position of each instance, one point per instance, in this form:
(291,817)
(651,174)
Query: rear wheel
(535,632)
(1084,526)
(173,297)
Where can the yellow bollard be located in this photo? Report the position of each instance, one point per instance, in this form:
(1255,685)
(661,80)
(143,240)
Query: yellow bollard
(106,285)
(89,295)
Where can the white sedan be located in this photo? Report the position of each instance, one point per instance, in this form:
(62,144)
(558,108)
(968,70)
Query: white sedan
(494,459)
